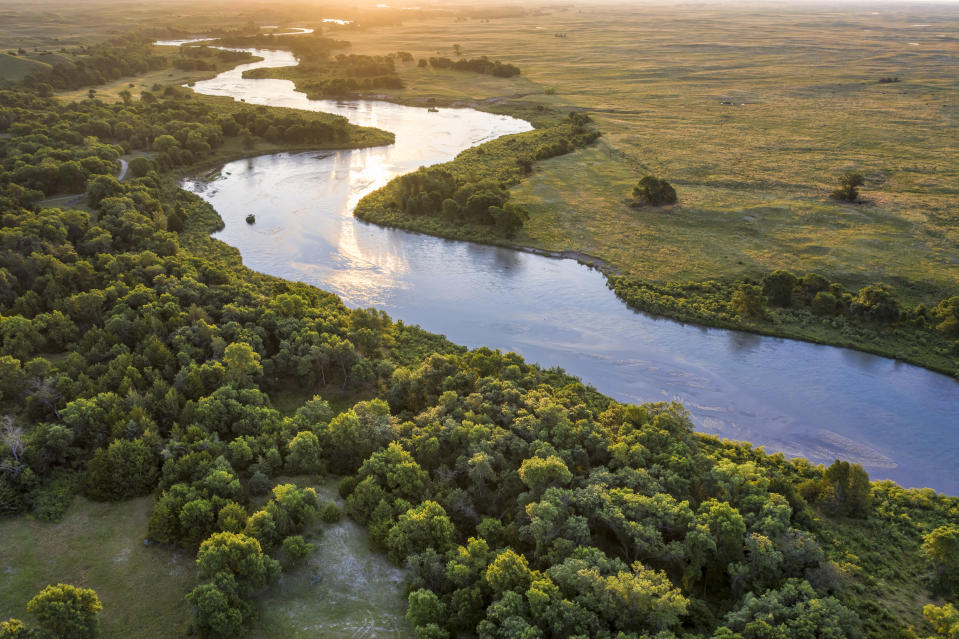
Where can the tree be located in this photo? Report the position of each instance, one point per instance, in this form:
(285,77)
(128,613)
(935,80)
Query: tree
(943,619)
(941,546)
(125,469)
(539,473)
(794,610)
(218,608)
(948,312)
(848,190)
(238,555)
(425,526)
(14,629)
(875,302)
(652,191)
(296,549)
(304,455)
(67,612)
(747,301)
(778,288)
(242,364)
(848,488)
(356,433)
(140,166)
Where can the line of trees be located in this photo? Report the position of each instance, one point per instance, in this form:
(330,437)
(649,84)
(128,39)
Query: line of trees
(475,65)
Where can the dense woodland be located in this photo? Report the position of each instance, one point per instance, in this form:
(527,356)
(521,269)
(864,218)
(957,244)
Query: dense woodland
(138,357)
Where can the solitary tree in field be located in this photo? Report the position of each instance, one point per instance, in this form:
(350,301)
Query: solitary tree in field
(848,190)
(653,191)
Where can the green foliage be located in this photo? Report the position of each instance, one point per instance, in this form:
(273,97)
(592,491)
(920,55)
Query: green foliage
(468,198)
(747,301)
(943,619)
(238,555)
(652,191)
(296,549)
(125,469)
(795,610)
(523,503)
(941,547)
(67,612)
(848,190)
(304,455)
(219,610)
(331,513)
(423,527)
(778,288)
(476,65)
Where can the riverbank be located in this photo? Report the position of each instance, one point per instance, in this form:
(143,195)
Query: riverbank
(913,339)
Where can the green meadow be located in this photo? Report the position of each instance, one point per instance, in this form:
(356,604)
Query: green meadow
(751,116)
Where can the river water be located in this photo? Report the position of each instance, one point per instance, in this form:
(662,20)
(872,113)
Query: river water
(899,421)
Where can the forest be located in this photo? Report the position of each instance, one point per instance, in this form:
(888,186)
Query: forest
(139,357)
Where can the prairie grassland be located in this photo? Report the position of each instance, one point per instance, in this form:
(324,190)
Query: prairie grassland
(752,115)
(99,546)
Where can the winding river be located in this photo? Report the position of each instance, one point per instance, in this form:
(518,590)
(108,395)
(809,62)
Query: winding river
(899,421)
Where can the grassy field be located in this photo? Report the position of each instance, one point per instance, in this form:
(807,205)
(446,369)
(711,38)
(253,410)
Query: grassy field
(99,546)
(752,116)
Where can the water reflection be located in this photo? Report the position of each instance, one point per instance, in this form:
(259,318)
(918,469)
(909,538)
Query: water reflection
(803,399)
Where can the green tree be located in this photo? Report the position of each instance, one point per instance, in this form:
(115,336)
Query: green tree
(296,549)
(941,546)
(67,612)
(14,629)
(848,190)
(242,364)
(423,527)
(238,555)
(747,301)
(943,619)
(848,488)
(218,609)
(778,288)
(654,192)
(304,453)
(539,473)
(948,312)
(125,469)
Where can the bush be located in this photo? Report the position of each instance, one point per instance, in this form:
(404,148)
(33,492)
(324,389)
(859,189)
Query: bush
(140,166)
(848,190)
(652,191)
(331,513)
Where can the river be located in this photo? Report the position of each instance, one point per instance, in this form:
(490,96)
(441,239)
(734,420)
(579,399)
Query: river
(899,421)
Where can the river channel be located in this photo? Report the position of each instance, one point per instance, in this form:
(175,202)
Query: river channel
(899,421)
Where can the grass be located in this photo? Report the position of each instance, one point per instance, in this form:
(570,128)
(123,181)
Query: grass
(753,176)
(15,67)
(99,546)
(342,590)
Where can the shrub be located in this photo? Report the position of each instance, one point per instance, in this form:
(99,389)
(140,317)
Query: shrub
(654,192)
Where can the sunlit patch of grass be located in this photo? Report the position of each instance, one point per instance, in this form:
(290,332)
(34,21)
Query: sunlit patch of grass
(99,546)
